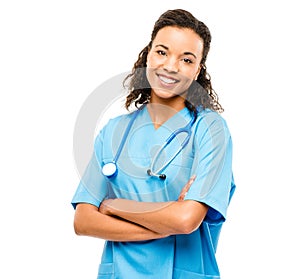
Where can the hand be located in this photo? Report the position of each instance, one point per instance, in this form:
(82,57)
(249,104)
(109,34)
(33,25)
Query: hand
(186,188)
(105,207)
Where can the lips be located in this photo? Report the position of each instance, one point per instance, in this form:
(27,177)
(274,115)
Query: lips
(167,79)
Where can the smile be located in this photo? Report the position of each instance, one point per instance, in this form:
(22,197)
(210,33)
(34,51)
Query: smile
(167,80)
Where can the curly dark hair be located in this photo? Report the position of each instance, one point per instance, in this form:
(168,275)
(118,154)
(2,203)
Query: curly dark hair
(200,93)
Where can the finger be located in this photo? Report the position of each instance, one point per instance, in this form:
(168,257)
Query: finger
(181,196)
(189,183)
(193,177)
(186,188)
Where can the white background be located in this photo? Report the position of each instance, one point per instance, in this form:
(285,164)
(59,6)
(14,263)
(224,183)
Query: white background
(53,54)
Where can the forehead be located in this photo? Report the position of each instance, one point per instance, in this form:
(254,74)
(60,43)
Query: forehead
(179,39)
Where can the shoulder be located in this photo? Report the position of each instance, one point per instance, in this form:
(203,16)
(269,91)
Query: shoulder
(209,121)
(115,124)
(209,117)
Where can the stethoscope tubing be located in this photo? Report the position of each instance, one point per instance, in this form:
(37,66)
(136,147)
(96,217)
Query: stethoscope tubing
(110,169)
(125,135)
(188,130)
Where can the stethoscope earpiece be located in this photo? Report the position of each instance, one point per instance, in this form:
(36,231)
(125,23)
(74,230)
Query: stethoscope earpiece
(161,176)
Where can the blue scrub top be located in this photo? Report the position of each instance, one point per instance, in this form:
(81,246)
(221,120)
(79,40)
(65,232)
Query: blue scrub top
(208,155)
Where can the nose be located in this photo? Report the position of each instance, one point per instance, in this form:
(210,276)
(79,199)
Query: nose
(171,65)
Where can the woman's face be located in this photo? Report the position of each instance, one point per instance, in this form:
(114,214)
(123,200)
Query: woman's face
(173,62)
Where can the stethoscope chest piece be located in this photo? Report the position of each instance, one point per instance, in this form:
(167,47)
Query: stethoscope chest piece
(109,169)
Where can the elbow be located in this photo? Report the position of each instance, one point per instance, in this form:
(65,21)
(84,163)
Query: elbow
(188,230)
(188,225)
(190,216)
(78,228)
(81,224)
(81,228)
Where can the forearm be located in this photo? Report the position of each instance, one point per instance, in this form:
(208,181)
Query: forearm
(90,222)
(176,217)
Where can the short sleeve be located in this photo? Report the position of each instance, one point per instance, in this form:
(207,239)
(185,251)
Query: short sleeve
(92,187)
(214,184)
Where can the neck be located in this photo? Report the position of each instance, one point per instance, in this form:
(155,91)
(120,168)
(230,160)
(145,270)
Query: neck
(160,113)
(175,103)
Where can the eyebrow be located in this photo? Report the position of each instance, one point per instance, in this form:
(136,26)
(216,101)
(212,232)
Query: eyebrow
(185,53)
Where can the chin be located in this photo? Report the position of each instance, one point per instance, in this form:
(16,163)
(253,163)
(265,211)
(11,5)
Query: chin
(164,94)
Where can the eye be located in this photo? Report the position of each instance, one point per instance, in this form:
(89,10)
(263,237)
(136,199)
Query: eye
(161,52)
(187,60)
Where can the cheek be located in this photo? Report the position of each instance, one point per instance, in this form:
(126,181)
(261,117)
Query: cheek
(150,75)
(192,74)
(149,60)
(187,75)
(186,83)
(153,61)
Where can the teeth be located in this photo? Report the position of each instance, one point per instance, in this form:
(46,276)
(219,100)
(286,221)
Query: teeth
(167,80)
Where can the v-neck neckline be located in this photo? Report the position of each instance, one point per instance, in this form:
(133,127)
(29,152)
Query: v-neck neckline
(182,113)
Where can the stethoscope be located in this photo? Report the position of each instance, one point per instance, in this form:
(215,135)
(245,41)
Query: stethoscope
(110,169)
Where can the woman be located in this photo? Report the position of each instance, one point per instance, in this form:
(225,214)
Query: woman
(160,206)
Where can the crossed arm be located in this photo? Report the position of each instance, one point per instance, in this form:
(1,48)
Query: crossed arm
(127,220)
